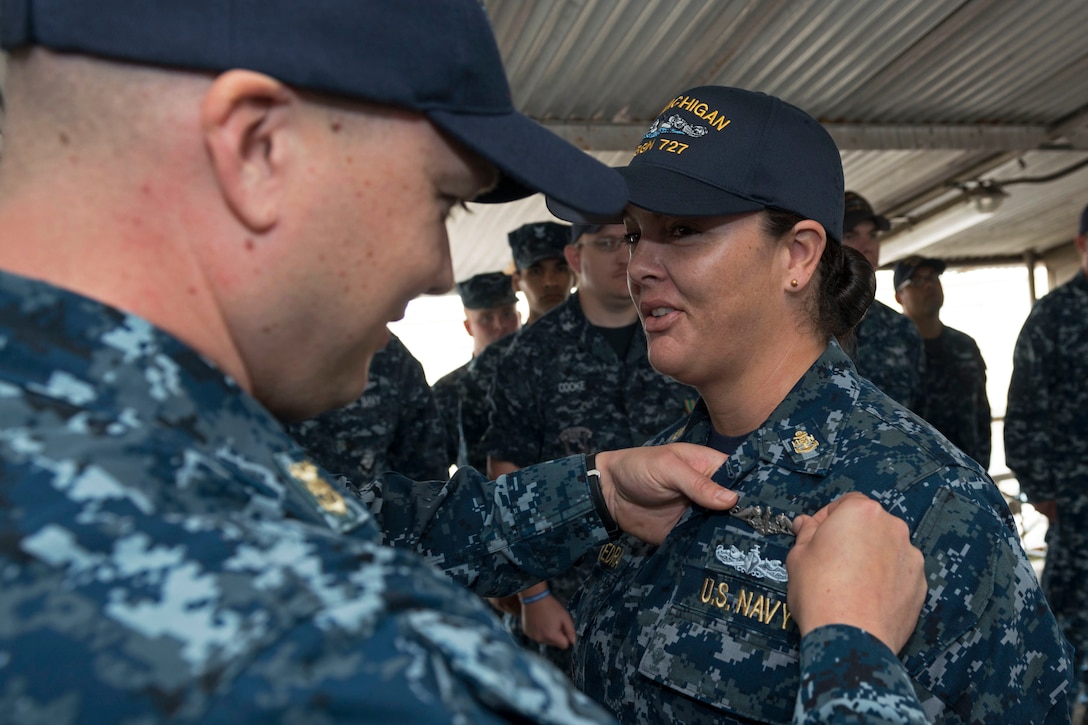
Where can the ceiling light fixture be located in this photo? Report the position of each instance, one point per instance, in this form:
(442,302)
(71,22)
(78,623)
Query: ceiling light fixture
(976,204)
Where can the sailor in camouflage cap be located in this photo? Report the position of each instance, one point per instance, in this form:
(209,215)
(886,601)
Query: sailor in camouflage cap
(743,289)
(491,289)
(533,242)
(491,315)
(953,392)
(541,274)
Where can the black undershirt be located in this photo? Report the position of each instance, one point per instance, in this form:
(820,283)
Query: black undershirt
(619,338)
(726,444)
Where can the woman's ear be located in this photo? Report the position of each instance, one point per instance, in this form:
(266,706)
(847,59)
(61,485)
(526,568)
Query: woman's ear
(245,118)
(806,242)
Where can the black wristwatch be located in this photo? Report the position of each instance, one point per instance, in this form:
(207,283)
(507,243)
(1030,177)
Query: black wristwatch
(593,480)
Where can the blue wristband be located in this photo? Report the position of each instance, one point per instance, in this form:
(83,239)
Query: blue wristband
(535,597)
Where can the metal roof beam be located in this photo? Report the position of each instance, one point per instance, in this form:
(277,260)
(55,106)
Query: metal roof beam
(865,137)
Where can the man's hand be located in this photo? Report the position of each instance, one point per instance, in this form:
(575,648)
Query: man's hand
(853,563)
(648,489)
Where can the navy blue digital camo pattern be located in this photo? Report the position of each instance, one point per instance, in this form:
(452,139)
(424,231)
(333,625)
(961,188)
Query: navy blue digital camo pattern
(167,551)
(392,426)
(447,396)
(953,393)
(1046,444)
(463,400)
(889,353)
(850,677)
(698,630)
(561,389)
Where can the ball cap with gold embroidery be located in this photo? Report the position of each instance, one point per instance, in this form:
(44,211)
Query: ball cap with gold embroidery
(436,57)
(716,151)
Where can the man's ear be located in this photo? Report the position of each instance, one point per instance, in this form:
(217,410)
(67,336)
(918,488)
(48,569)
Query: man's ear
(573,253)
(244,118)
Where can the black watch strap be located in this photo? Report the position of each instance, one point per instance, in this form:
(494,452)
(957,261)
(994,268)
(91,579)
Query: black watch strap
(593,480)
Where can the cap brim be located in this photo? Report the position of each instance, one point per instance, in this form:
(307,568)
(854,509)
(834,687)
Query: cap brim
(664,191)
(851,220)
(532,159)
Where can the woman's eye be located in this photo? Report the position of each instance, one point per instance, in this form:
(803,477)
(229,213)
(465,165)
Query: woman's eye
(631,237)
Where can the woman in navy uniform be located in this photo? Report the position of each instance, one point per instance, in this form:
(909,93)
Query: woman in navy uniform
(743,287)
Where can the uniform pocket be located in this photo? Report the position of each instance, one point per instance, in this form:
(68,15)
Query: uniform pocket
(727,639)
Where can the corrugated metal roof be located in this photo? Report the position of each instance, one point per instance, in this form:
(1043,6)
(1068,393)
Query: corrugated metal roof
(919,94)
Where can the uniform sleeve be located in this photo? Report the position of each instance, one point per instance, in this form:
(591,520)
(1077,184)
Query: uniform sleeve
(1027,416)
(394,641)
(849,676)
(985,617)
(494,537)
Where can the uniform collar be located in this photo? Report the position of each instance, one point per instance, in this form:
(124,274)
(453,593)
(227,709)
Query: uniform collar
(802,433)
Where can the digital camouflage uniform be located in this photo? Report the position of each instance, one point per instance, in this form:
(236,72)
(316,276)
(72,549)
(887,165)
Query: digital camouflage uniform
(481,291)
(168,551)
(463,393)
(1046,444)
(392,426)
(953,396)
(560,389)
(698,630)
(447,397)
(465,390)
(889,353)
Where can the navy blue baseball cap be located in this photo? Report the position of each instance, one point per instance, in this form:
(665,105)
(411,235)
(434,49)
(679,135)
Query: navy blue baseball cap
(905,268)
(856,209)
(533,242)
(716,151)
(436,57)
(490,289)
(577,230)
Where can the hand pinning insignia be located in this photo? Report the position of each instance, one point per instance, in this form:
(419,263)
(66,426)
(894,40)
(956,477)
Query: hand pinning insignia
(762,520)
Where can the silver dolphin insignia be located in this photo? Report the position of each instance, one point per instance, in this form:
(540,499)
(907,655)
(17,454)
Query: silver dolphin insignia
(751,563)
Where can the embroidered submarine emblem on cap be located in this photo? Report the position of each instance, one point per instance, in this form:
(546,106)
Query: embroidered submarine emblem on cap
(751,563)
(762,520)
(327,497)
(803,442)
(675,124)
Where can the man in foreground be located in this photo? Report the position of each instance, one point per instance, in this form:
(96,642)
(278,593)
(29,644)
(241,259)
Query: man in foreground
(181,255)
